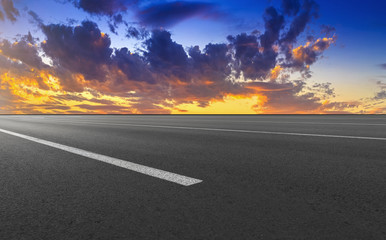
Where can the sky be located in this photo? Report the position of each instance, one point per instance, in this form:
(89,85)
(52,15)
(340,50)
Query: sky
(192,57)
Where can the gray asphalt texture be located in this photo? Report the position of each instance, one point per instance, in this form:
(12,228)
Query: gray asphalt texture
(255,186)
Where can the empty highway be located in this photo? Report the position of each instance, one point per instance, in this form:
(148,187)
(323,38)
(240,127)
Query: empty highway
(193,177)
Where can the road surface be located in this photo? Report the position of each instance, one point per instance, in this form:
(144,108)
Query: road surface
(193,177)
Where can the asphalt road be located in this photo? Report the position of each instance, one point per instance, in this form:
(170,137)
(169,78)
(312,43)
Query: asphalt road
(263,177)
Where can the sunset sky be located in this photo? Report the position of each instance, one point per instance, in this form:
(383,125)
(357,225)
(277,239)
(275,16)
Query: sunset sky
(192,57)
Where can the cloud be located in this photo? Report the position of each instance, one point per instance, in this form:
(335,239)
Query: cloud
(166,56)
(274,23)
(327,30)
(381,95)
(302,15)
(153,15)
(71,97)
(23,51)
(115,21)
(170,13)
(35,18)
(340,107)
(29,38)
(305,55)
(251,59)
(110,8)
(109,108)
(10,11)
(132,66)
(82,49)
(309,9)
(211,64)
(383,66)
(104,7)
(255,56)
(137,33)
(324,89)
(87,74)
(281,98)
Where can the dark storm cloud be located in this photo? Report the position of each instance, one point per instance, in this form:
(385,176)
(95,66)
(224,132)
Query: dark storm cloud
(23,51)
(308,10)
(156,15)
(132,65)
(10,11)
(111,8)
(113,28)
(170,13)
(212,63)
(35,18)
(104,7)
(29,38)
(139,33)
(118,18)
(166,56)
(255,56)
(83,49)
(250,60)
(273,23)
(246,47)
(115,21)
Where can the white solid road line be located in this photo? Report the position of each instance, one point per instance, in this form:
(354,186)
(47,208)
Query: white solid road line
(157,173)
(229,130)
